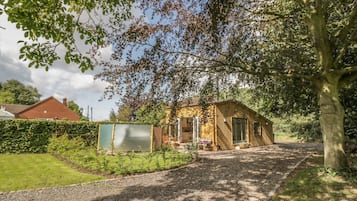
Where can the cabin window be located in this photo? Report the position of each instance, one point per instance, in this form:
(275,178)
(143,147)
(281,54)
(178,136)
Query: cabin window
(257,128)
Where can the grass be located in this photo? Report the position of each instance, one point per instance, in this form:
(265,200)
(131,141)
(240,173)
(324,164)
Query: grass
(282,131)
(284,138)
(312,182)
(30,171)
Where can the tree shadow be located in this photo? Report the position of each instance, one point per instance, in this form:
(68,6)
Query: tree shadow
(312,182)
(250,174)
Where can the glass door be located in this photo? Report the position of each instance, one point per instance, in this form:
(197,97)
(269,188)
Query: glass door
(239,130)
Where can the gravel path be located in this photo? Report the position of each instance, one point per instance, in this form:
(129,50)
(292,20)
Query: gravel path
(248,174)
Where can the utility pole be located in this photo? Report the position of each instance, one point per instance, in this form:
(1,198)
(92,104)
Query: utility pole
(88,112)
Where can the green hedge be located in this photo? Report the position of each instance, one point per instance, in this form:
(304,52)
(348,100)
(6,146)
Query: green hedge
(32,136)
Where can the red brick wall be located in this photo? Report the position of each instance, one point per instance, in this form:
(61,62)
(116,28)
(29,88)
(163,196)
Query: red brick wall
(49,109)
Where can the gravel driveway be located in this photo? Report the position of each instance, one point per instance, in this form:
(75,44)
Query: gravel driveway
(248,174)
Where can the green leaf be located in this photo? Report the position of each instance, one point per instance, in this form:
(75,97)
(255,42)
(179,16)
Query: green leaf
(66,58)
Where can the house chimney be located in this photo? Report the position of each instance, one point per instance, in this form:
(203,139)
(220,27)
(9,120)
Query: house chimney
(65,102)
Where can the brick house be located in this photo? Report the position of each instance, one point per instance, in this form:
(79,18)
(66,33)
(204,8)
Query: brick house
(227,124)
(49,109)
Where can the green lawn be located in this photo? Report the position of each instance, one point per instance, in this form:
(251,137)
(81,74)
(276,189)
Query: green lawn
(280,137)
(29,171)
(312,182)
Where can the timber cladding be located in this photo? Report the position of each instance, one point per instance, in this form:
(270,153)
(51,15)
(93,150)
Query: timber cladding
(227,111)
(228,124)
(207,125)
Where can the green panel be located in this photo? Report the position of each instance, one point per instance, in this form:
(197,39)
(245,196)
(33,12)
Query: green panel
(105,139)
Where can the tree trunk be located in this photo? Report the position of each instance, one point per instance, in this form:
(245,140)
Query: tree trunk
(331,121)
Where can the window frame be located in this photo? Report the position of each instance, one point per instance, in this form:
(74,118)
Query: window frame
(257,128)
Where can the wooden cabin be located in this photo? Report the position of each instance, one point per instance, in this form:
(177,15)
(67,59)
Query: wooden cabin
(224,125)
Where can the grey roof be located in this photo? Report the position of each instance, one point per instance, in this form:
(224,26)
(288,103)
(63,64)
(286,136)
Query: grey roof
(14,108)
(6,115)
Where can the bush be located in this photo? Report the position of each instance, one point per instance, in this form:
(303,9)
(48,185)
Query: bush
(88,158)
(63,144)
(307,131)
(32,136)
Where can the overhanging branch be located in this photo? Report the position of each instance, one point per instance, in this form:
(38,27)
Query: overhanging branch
(220,65)
(261,12)
(348,70)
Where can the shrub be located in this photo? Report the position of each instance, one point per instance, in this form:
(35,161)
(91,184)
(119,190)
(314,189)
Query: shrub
(307,131)
(63,144)
(86,157)
(32,136)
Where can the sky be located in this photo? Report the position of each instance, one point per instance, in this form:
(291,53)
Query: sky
(61,81)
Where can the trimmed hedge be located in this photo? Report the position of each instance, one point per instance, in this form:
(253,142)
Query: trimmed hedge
(32,136)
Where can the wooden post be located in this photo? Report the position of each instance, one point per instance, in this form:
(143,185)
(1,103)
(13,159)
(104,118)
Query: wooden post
(215,127)
(99,133)
(152,139)
(170,132)
(178,130)
(113,131)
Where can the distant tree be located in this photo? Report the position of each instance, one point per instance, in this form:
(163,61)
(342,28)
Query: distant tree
(112,116)
(17,93)
(78,110)
(124,113)
(151,114)
(6,97)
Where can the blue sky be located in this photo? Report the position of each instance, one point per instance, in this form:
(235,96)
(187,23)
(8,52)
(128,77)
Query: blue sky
(62,80)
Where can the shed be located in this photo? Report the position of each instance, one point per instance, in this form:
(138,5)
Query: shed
(226,125)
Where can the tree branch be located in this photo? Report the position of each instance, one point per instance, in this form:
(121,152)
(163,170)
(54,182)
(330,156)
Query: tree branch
(318,29)
(261,12)
(349,75)
(221,65)
(348,70)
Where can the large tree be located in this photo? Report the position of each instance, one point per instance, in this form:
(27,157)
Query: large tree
(14,92)
(306,46)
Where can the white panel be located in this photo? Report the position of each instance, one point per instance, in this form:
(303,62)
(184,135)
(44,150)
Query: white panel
(132,137)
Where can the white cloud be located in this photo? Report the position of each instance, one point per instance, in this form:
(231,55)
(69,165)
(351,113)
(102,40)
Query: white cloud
(12,69)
